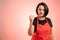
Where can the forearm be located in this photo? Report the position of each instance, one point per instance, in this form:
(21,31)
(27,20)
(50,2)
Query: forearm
(52,35)
(31,29)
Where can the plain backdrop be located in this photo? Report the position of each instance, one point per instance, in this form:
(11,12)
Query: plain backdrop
(14,18)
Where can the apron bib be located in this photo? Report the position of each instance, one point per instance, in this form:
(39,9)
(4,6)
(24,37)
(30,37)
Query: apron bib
(43,32)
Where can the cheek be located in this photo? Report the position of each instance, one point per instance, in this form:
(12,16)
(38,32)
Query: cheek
(43,12)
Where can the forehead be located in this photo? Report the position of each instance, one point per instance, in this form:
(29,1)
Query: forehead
(41,7)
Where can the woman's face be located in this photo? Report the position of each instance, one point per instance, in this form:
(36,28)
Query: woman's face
(41,11)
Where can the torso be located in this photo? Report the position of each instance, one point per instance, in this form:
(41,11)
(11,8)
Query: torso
(42,22)
(42,32)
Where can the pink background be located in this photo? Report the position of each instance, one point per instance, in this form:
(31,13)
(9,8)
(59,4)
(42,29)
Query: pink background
(14,15)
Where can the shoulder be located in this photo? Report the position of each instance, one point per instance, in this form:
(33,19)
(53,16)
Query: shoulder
(49,21)
(35,18)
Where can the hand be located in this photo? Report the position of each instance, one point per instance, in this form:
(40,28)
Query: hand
(31,17)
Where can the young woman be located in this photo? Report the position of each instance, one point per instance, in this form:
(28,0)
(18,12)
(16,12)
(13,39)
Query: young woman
(41,26)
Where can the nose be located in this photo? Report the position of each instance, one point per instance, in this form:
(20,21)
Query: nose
(41,11)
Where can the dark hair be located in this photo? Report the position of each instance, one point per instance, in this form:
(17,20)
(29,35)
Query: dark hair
(46,9)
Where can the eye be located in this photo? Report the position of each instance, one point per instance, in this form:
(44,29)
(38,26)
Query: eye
(39,9)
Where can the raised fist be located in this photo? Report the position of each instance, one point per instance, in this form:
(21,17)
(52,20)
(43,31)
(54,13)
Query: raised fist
(31,18)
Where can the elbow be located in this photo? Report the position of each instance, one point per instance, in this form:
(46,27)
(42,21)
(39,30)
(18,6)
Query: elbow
(30,34)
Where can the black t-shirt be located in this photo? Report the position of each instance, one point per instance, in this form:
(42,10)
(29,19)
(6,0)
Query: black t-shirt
(42,22)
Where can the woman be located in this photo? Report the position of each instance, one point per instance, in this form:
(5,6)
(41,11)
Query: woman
(40,27)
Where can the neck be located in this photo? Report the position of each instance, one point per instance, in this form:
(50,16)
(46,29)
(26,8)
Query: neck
(41,18)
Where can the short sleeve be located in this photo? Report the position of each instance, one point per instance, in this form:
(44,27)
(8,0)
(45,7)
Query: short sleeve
(50,22)
(34,21)
(35,24)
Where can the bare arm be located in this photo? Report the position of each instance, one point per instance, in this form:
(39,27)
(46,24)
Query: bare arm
(31,26)
(52,35)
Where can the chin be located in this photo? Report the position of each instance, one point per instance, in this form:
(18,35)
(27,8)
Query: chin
(40,16)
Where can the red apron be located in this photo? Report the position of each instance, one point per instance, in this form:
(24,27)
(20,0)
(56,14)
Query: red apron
(43,32)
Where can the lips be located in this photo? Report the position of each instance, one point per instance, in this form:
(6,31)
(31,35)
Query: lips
(40,13)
